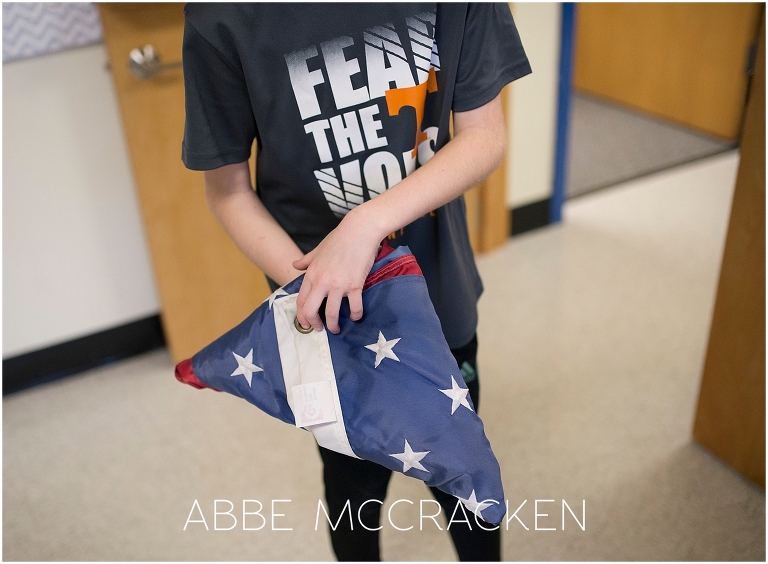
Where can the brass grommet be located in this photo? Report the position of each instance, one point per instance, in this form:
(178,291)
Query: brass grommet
(300,329)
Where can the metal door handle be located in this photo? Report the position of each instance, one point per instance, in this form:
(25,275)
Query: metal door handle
(144,63)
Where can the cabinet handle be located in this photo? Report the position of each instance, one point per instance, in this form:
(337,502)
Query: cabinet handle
(144,63)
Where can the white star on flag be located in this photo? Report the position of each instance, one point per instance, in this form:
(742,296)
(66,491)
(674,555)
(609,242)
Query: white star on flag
(458,395)
(383,348)
(245,366)
(279,293)
(410,459)
(473,505)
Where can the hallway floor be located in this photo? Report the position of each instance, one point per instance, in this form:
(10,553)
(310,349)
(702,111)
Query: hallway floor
(610,143)
(592,340)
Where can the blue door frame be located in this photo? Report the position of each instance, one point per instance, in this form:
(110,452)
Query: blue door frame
(563,111)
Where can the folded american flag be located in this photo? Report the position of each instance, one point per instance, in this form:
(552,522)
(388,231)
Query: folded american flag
(386,388)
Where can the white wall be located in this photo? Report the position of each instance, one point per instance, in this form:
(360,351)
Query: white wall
(75,260)
(532,125)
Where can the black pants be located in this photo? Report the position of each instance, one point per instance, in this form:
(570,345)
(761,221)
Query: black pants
(356,480)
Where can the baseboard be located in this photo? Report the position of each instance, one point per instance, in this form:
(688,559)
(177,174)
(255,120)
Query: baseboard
(45,365)
(529,217)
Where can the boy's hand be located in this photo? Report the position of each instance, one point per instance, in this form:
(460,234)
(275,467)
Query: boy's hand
(336,268)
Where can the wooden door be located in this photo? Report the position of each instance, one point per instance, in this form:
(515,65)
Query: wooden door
(206,285)
(685,62)
(730,419)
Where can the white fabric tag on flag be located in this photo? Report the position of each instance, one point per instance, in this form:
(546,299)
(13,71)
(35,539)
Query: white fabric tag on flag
(313,404)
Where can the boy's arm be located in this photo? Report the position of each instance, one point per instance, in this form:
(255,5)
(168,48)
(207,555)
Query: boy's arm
(337,267)
(233,202)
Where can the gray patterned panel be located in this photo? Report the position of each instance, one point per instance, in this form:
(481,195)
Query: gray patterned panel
(35,28)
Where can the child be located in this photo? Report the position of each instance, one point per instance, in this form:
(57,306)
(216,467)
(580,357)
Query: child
(350,105)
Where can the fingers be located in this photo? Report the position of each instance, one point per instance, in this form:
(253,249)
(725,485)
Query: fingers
(329,275)
(355,305)
(309,302)
(307,306)
(304,262)
(301,299)
(309,299)
(332,306)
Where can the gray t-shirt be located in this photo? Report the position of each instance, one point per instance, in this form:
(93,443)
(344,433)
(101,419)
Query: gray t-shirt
(345,100)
